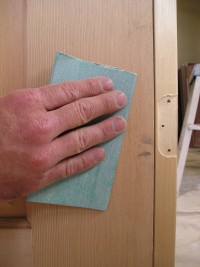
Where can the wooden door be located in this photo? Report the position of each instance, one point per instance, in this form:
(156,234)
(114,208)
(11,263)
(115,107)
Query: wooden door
(113,32)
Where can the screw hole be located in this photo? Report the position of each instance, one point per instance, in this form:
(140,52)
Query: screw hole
(168,101)
(169,150)
(163,125)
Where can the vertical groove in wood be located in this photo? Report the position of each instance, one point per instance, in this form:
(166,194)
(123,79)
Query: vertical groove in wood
(11,45)
(15,248)
(11,70)
(25,43)
(165,34)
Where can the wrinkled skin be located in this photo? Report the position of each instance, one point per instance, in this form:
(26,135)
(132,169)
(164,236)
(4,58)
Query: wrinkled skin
(41,137)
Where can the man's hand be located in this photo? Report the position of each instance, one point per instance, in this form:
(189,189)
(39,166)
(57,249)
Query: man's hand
(41,138)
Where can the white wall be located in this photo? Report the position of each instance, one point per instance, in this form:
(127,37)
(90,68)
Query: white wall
(188,19)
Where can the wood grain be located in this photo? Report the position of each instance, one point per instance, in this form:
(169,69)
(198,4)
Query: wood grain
(11,45)
(165,172)
(12,18)
(117,33)
(16,247)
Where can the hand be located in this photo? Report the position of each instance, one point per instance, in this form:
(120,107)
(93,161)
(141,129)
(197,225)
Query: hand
(36,144)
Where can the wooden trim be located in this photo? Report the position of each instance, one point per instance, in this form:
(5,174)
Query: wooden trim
(165,41)
(17,223)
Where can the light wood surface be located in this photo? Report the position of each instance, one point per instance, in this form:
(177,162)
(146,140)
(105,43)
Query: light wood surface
(16,247)
(12,16)
(11,45)
(117,33)
(165,169)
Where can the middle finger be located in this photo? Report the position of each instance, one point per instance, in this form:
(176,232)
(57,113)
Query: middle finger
(82,111)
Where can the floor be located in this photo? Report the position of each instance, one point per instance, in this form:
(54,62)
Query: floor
(188,214)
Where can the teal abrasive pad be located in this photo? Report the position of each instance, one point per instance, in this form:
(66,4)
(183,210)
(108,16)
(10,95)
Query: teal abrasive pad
(92,188)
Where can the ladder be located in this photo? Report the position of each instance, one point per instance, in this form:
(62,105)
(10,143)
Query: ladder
(188,123)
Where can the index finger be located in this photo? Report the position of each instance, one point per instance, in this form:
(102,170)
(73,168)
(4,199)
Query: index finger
(60,94)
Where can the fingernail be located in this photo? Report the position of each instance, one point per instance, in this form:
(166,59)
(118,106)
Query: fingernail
(119,124)
(107,84)
(121,99)
(99,154)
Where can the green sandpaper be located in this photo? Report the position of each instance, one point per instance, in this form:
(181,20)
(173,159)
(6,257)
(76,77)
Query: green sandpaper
(92,188)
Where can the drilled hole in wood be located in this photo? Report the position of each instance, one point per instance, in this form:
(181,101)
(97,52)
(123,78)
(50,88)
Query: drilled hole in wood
(169,150)
(168,101)
(163,125)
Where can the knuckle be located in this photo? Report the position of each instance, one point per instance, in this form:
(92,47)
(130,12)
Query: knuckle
(47,97)
(40,161)
(84,110)
(84,164)
(76,166)
(70,90)
(106,103)
(90,84)
(70,169)
(82,141)
(37,130)
(11,100)
(104,132)
(19,98)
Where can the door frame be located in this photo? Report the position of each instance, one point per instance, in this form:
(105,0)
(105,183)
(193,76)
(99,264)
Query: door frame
(166,106)
(165,75)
